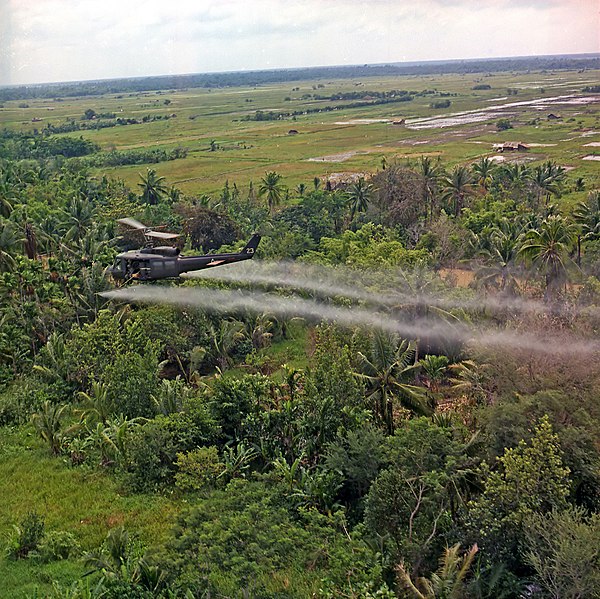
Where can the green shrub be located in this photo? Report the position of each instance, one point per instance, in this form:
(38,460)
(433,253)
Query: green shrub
(152,449)
(242,541)
(198,469)
(26,536)
(20,399)
(57,545)
(233,399)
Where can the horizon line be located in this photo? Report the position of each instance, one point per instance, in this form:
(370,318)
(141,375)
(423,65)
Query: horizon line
(582,55)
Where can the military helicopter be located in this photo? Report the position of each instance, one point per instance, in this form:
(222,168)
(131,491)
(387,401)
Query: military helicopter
(151,262)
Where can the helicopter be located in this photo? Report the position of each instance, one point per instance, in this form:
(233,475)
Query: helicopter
(151,262)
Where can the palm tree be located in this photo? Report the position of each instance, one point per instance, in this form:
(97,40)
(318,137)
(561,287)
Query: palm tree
(449,580)
(116,560)
(385,371)
(359,196)
(587,215)
(6,205)
(548,248)
(56,364)
(500,256)
(96,405)
(117,434)
(435,368)
(431,173)
(10,238)
(470,379)
(77,220)
(153,187)
(271,186)
(175,194)
(49,234)
(546,179)
(483,170)
(417,301)
(48,423)
(223,340)
(301,189)
(259,331)
(457,187)
(515,176)
(170,396)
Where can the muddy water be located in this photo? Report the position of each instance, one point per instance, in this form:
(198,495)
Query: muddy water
(485,114)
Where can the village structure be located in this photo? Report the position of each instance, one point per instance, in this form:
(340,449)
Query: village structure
(511,146)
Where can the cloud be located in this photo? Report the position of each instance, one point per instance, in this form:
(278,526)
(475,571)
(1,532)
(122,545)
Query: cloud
(57,40)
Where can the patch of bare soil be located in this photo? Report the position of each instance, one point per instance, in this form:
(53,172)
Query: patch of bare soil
(341,157)
(443,136)
(361,121)
(346,177)
(524,158)
(459,277)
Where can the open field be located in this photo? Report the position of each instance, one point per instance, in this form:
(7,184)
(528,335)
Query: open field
(341,140)
(87,504)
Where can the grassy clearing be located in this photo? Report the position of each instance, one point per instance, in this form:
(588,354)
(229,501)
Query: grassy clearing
(247,149)
(85,503)
(25,578)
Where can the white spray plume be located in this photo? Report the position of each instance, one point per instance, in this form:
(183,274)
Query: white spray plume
(362,286)
(227,301)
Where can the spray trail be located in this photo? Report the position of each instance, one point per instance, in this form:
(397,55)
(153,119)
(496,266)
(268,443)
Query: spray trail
(345,282)
(280,306)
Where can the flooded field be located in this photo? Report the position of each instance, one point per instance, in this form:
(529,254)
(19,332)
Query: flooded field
(505,110)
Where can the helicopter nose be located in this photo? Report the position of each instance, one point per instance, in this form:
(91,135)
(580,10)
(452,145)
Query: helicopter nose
(116,273)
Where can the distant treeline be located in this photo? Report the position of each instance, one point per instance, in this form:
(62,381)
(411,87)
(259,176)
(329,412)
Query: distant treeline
(70,126)
(394,94)
(129,157)
(23,146)
(36,146)
(440,104)
(261,115)
(250,78)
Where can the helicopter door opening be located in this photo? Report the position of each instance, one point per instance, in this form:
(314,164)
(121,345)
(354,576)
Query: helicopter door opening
(139,269)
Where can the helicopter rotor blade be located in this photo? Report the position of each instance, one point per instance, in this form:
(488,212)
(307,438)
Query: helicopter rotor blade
(131,222)
(161,235)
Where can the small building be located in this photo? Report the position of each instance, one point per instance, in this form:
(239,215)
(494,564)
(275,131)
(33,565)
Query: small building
(554,117)
(400,123)
(511,146)
(293,132)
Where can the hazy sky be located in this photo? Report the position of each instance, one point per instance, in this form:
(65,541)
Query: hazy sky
(62,40)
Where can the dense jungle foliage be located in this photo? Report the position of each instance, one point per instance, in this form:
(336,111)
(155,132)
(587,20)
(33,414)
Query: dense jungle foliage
(302,459)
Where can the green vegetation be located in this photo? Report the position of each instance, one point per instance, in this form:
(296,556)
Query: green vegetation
(430,429)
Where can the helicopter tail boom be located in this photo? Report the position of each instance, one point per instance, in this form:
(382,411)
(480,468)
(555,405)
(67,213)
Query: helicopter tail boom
(251,245)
